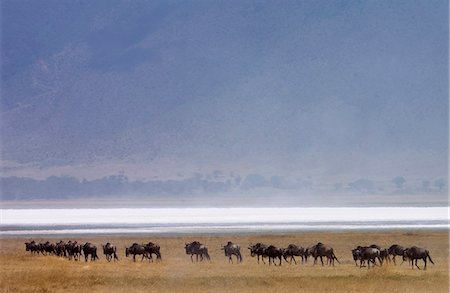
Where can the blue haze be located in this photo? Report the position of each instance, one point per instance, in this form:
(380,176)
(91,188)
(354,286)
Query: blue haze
(329,92)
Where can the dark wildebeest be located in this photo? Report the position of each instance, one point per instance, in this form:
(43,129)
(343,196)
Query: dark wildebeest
(356,253)
(69,246)
(258,250)
(370,254)
(32,247)
(308,252)
(60,248)
(74,250)
(415,253)
(48,248)
(395,250)
(136,249)
(152,248)
(321,250)
(90,249)
(232,249)
(198,249)
(291,251)
(384,255)
(109,250)
(273,252)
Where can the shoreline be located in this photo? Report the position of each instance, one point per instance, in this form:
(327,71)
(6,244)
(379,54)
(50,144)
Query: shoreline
(222,233)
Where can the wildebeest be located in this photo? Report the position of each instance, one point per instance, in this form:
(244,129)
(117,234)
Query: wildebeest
(109,250)
(32,247)
(60,248)
(321,250)
(415,253)
(74,250)
(152,248)
(90,249)
(370,254)
(232,249)
(273,252)
(136,249)
(198,249)
(308,252)
(375,246)
(395,250)
(258,249)
(356,253)
(48,248)
(384,255)
(291,251)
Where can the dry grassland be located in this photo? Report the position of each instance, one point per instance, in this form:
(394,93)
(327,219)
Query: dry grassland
(22,272)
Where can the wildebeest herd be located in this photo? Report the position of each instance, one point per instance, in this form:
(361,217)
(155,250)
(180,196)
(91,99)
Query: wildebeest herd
(364,254)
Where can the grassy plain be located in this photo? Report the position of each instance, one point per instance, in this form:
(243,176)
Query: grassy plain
(22,272)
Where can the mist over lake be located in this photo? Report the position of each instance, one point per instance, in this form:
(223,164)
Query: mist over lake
(217,220)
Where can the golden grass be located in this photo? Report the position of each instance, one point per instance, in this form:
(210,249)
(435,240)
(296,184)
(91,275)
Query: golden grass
(22,272)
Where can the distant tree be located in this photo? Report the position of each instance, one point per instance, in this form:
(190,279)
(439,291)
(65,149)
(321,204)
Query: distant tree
(399,181)
(276,181)
(440,183)
(426,185)
(362,185)
(253,181)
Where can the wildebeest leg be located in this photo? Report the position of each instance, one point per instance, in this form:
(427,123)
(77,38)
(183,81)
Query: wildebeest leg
(321,260)
(417,265)
(262,259)
(425,260)
(393,258)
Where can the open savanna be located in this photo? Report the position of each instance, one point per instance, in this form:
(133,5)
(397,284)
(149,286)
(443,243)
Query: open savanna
(22,272)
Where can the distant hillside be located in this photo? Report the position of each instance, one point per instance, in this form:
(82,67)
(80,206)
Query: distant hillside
(264,87)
